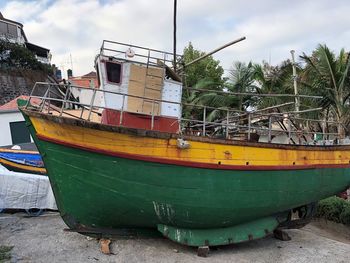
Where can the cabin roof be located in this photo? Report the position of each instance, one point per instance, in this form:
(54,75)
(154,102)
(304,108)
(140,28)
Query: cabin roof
(91,74)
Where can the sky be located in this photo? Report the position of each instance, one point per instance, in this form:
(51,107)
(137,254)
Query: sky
(75,28)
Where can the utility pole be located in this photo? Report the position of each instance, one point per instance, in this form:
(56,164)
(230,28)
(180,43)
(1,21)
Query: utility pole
(297,100)
(71,62)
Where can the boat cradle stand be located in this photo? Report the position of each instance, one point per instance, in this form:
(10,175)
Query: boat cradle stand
(203,238)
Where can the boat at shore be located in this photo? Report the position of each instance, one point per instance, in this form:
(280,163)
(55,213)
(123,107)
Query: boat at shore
(129,162)
(22,161)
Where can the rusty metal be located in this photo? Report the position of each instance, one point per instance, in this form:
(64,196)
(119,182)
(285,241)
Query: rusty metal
(253,94)
(234,124)
(204,118)
(165,135)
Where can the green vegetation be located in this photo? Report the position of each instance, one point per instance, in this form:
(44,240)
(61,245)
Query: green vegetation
(273,80)
(323,73)
(16,56)
(5,253)
(335,209)
(205,69)
(327,75)
(206,74)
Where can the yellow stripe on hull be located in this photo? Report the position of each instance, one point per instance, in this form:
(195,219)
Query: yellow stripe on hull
(23,167)
(199,152)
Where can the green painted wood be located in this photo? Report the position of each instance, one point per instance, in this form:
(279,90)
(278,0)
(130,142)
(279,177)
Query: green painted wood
(221,236)
(110,192)
(104,192)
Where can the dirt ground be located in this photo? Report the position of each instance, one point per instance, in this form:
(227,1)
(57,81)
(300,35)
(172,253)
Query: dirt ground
(42,239)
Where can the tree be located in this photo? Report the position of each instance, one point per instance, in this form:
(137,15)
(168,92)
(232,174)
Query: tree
(205,69)
(204,74)
(327,75)
(241,79)
(13,55)
(273,80)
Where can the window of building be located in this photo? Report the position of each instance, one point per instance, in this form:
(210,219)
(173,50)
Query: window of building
(12,30)
(19,132)
(3,28)
(8,29)
(113,72)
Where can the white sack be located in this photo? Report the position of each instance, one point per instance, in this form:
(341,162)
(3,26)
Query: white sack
(25,191)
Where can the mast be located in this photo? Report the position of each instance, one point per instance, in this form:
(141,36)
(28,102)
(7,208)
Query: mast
(175,10)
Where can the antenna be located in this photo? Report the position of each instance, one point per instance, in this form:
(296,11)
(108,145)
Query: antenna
(71,61)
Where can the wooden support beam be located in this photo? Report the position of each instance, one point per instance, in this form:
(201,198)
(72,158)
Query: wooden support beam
(169,71)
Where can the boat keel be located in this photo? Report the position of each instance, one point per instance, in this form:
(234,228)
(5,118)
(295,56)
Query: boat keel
(220,236)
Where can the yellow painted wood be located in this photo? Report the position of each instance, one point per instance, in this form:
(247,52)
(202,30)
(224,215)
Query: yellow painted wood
(15,151)
(23,167)
(201,152)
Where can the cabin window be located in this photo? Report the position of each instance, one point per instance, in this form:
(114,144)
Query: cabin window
(113,72)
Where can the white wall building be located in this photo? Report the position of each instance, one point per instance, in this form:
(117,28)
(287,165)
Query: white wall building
(13,129)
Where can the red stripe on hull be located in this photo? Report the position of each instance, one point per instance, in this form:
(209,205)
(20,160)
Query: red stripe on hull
(193,164)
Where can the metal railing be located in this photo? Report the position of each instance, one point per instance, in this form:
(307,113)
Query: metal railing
(231,124)
(138,54)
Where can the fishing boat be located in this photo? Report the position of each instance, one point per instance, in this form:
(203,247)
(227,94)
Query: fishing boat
(22,161)
(22,184)
(129,162)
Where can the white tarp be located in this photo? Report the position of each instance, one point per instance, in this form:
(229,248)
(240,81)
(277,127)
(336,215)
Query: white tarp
(25,191)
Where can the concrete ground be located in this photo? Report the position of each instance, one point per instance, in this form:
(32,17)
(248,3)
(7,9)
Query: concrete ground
(42,239)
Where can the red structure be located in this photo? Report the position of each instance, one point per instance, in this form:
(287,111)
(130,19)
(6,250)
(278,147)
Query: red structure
(140,121)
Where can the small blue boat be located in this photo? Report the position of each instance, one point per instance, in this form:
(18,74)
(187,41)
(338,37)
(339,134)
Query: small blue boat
(22,161)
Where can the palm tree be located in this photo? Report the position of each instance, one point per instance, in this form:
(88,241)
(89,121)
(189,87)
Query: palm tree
(273,80)
(241,79)
(328,76)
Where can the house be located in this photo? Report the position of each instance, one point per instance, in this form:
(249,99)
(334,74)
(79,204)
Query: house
(13,128)
(87,80)
(82,92)
(13,31)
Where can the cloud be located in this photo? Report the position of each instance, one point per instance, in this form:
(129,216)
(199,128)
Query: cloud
(21,11)
(272,28)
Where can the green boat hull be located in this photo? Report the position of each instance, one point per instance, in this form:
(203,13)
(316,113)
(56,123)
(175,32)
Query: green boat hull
(109,192)
(99,194)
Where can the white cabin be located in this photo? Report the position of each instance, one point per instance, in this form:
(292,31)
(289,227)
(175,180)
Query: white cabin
(136,83)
